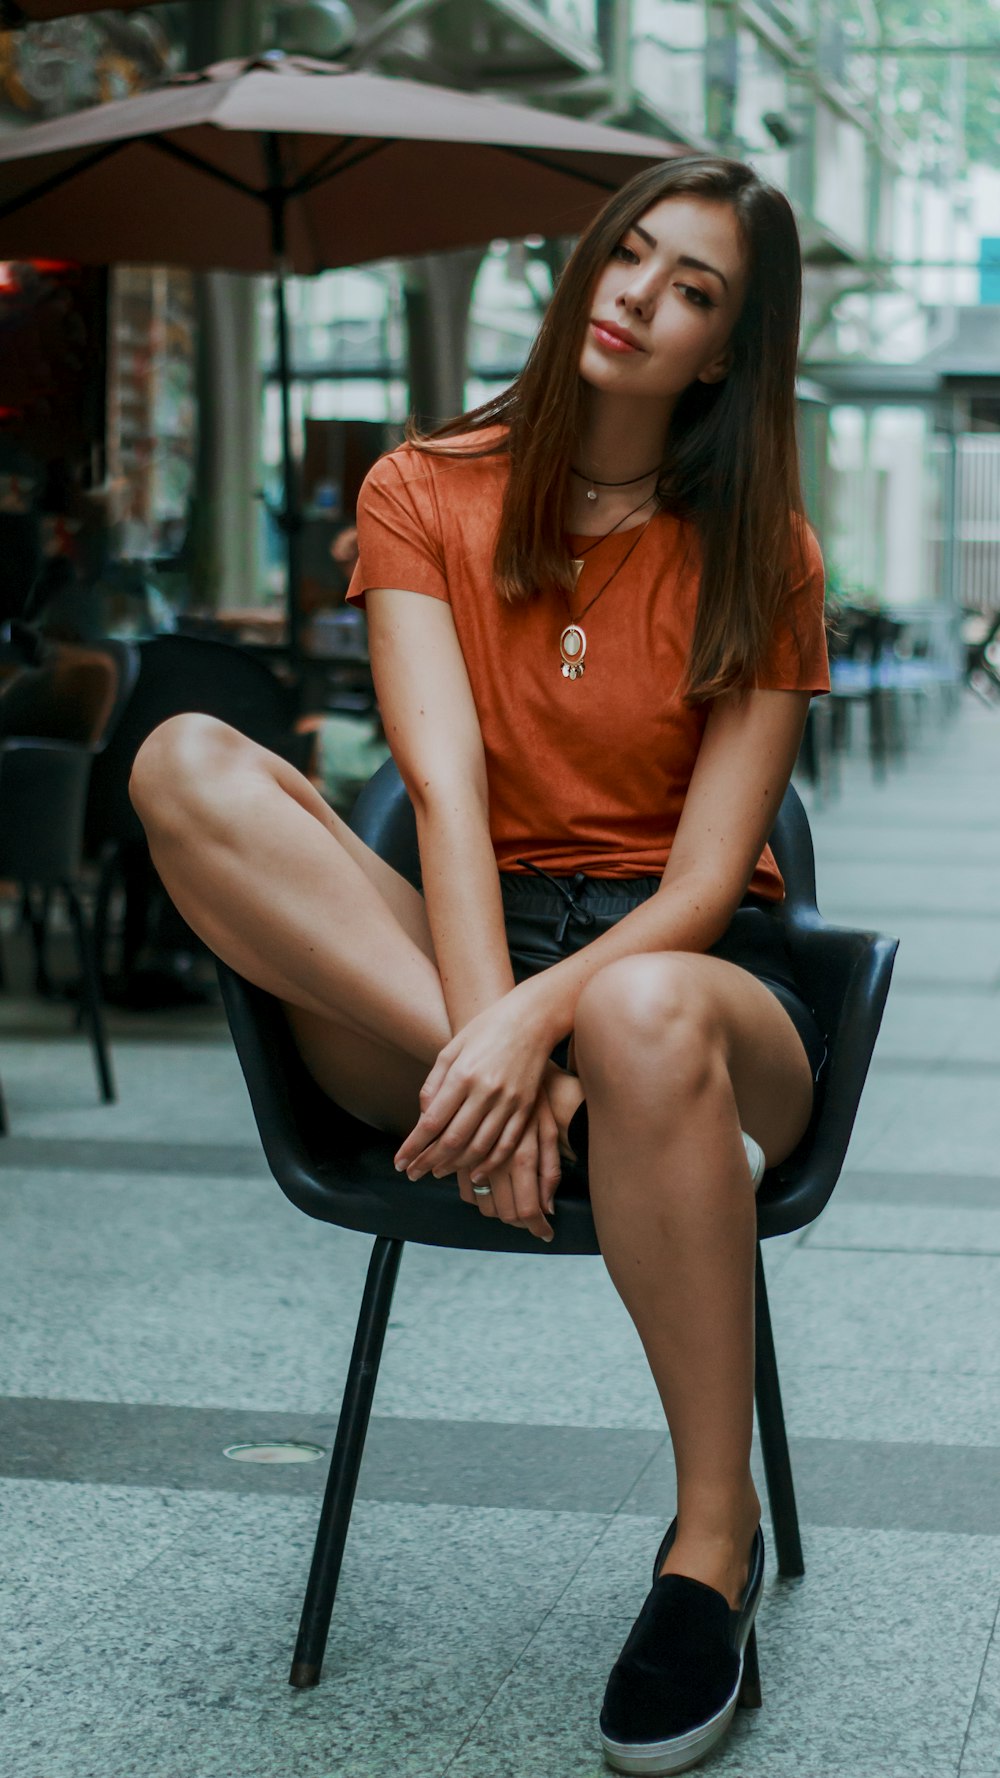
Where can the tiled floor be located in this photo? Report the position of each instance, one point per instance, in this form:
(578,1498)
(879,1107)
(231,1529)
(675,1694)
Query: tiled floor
(159,1300)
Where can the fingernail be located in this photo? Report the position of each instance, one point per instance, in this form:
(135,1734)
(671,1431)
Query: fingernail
(549,1237)
(476,1178)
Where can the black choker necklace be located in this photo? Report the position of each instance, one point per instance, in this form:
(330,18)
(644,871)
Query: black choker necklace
(595,484)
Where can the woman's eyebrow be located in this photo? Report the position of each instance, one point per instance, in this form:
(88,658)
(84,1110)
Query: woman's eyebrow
(699,265)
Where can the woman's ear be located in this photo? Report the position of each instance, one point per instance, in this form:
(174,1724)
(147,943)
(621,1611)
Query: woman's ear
(718,369)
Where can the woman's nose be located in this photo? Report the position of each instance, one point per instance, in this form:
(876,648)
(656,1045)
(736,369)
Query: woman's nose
(639,297)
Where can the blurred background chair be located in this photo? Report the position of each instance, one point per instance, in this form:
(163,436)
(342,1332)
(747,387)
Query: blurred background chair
(43,791)
(74,694)
(174,674)
(340,1171)
(58,707)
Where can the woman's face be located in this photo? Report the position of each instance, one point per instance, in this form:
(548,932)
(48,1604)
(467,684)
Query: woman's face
(663,308)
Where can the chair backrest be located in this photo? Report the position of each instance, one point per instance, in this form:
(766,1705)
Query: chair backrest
(334,1168)
(176,674)
(75,694)
(383,818)
(43,793)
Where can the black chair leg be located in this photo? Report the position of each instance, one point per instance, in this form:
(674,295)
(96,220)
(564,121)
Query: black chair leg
(348,1449)
(36,915)
(90,995)
(774,1440)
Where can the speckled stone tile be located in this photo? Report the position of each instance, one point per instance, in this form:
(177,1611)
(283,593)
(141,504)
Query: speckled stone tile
(874,890)
(981,1754)
(170,1289)
(883,1228)
(852,1681)
(925,1027)
(70,1550)
(171,1091)
(561,1348)
(841,837)
(938,1123)
(204,1637)
(892,1312)
(933,1407)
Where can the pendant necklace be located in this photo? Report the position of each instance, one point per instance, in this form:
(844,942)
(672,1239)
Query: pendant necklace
(573,640)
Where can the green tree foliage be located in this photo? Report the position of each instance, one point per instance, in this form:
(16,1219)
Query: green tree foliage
(949,100)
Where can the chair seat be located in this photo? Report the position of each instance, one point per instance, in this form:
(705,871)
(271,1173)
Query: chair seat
(340,1170)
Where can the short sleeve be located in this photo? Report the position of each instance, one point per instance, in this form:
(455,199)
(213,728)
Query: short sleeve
(399,536)
(797,659)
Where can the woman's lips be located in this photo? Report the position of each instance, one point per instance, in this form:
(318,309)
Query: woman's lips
(612,342)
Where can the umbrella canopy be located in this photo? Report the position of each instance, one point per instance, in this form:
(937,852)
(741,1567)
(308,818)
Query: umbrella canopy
(27,11)
(291,165)
(354,166)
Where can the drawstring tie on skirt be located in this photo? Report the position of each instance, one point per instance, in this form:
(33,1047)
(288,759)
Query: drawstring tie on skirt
(574,909)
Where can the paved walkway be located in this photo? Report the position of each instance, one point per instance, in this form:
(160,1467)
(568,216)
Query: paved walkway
(160,1300)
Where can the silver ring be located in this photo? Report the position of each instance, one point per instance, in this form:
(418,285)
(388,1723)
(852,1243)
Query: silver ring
(483,1191)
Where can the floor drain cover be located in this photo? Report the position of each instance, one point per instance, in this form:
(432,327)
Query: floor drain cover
(281,1451)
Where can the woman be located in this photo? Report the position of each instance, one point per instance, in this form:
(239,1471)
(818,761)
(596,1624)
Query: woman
(596,621)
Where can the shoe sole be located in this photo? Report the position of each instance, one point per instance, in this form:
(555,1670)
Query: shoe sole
(659,1759)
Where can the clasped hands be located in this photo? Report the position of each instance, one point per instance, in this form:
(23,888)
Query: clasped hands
(490,1111)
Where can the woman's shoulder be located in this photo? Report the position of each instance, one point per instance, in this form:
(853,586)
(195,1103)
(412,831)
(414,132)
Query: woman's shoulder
(467,455)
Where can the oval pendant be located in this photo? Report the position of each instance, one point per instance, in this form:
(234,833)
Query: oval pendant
(572,647)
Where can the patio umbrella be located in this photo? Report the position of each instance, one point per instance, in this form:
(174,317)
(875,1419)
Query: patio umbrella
(292,165)
(19,12)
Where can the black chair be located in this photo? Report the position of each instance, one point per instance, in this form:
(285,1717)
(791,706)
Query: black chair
(174,674)
(340,1171)
(73,694)
(43,791)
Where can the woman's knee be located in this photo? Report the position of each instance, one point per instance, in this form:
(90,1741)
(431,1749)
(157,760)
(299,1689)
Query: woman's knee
(185,766)
(644,1019)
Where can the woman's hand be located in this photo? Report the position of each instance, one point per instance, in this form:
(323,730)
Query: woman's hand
(480,1093)
(522,1193)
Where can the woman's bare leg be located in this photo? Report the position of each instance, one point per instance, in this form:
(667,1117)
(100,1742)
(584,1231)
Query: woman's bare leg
(281,889)
(676,1054)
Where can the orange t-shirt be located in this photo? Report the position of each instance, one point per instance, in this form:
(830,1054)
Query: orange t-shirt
(585,774)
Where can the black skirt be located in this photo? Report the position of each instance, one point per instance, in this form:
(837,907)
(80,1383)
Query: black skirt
(549,918)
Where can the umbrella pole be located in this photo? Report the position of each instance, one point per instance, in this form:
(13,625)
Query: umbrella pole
(291,516)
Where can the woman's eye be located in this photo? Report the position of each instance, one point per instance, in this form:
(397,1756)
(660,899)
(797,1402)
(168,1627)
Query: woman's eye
(625,253)
(698,297)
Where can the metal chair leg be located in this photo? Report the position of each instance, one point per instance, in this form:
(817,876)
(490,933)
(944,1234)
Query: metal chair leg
(774,1440)
(36,916)
(90,995)
(348,1449)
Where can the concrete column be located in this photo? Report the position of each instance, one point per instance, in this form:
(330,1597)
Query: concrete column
(438,293)
(226,512)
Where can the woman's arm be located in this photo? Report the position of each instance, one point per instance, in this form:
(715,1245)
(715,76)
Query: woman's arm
(494,1069)
(433,730)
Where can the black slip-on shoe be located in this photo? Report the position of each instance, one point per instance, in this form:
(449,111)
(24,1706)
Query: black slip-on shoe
(689,1660)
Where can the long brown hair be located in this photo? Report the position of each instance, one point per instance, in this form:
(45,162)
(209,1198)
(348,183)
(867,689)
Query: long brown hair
(732,459)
